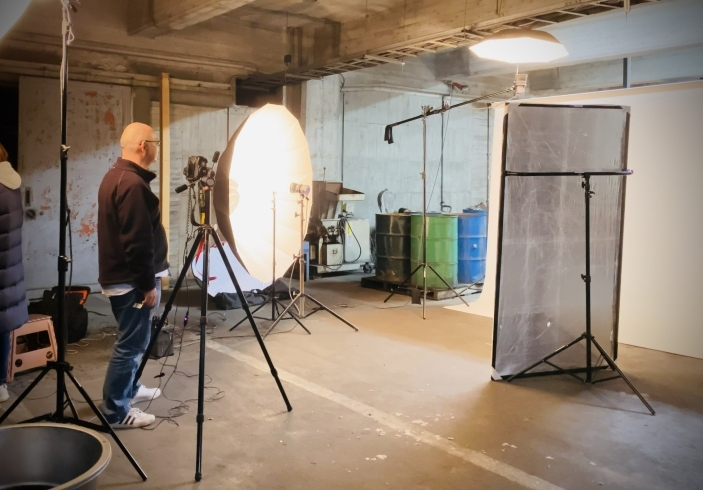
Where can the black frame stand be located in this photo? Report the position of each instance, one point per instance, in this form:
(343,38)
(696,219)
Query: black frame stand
(590,370)
(271,298)
(205,232)
(61,366)
(299,299)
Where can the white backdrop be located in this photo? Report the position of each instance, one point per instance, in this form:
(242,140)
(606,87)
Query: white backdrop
(661,304)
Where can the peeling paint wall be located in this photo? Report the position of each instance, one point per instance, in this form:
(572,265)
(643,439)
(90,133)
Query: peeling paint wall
(97,114)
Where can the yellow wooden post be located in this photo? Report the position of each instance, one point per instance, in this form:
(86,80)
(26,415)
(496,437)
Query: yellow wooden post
(165,162)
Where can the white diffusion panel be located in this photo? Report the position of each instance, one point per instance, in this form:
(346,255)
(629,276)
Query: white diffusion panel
(541,298)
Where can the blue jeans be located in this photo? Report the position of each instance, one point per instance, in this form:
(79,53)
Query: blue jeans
(133,334)
(5,346)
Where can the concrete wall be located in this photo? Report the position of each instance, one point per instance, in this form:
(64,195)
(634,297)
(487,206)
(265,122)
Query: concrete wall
(322,122)
(344,122)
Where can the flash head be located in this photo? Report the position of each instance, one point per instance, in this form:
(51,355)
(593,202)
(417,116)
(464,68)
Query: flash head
(301,189)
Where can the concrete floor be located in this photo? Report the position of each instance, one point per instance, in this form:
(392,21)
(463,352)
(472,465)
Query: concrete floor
(404,403)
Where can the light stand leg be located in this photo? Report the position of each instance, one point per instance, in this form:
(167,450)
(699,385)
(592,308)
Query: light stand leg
(447,284)
(104,425)
(586,184)
(615,368)
(424,209)
(403,283)
(200,417)
(338,317)
(169,305)
(24,394)
(245,306)
(285,310)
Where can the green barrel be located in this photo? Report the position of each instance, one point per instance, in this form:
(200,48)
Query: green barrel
(442,249)
(392,247)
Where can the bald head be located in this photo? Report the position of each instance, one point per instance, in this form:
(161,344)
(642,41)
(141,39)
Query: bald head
(139,144)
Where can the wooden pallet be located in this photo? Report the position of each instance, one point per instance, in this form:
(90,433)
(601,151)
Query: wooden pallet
(372,282)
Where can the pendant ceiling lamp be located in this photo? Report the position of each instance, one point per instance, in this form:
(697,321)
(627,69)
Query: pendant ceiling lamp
(520,46)
(264,157)
(10,12)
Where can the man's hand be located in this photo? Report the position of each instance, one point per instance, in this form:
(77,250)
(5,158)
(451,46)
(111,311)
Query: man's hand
(150,298)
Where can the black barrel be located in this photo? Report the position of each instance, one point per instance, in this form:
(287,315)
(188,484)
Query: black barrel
(392,247)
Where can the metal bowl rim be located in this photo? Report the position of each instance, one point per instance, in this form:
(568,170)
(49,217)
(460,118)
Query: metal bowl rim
(95,470)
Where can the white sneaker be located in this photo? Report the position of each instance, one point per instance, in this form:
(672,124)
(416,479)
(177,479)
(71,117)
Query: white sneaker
(4,395)
(146,394)
(134,420)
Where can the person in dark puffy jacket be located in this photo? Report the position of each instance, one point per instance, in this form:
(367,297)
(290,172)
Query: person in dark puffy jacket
(13,300)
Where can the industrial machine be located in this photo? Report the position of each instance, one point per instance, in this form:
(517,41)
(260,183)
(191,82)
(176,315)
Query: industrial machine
(339,242)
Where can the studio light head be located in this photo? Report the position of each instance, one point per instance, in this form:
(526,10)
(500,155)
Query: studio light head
(196,168)
(301,189)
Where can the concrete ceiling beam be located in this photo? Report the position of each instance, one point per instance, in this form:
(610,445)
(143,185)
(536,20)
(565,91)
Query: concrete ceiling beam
(157,17)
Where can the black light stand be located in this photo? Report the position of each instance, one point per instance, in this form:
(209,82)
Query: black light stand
(427,111)
(271,298)
(61,366)
(299,299)
(205,232)
(590,370)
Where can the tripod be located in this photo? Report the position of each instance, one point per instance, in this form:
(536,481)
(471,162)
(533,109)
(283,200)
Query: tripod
(587,335)
(299,299)
(205,232)
(61,366)
(272,299)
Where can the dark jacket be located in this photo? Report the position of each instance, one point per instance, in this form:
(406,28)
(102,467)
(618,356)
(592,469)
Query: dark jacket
(132,245)
(13,300)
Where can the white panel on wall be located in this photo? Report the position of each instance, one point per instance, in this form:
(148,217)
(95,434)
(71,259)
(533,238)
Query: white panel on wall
(662,265)
(97,114)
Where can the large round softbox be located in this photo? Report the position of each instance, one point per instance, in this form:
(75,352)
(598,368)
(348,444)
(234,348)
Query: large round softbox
(265,155)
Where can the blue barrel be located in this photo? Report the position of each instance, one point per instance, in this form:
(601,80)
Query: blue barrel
(473,230)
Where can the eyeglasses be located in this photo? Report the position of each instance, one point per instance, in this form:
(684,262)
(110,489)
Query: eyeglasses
(156,142)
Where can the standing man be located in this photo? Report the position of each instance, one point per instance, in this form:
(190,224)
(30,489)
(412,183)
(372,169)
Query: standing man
(132,253)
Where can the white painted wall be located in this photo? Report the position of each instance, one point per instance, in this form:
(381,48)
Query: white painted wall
(345,133)
(97,114)
(662,270)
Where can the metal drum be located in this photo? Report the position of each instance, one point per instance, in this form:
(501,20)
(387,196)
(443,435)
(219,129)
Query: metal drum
(392,247)
(62,457)
(473,227)
(442,252)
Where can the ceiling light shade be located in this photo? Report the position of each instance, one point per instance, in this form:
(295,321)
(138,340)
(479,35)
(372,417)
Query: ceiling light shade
(265,155)
(520,46)
(10,12)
